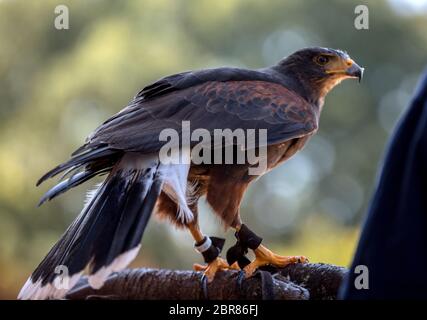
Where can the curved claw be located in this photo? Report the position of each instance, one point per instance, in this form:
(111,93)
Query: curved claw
(213,267)
(264,256)
(204,284)
(240,277)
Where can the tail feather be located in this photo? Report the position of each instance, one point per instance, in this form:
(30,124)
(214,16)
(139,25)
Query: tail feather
(105,237)
(71,182)
(85,158)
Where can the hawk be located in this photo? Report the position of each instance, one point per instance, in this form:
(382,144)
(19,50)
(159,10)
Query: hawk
(285,100)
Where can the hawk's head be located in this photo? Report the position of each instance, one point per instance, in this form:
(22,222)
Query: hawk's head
(319,69)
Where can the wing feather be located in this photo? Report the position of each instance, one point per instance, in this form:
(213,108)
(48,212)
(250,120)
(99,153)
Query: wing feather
(246,104)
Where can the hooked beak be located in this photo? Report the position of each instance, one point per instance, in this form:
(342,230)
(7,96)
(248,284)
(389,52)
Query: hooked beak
(347,68)
(355,71)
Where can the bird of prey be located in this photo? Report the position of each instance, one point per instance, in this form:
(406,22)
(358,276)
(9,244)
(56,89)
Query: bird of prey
(285,99)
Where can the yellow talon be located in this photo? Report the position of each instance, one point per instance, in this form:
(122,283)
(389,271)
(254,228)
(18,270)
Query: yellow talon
(213,267)
(264,256)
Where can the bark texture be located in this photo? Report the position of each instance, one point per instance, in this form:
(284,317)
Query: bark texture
(294,282)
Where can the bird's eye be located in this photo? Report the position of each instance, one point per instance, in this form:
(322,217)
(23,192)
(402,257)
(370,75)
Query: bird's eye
(322,60)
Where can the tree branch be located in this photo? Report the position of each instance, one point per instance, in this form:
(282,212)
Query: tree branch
(294,282)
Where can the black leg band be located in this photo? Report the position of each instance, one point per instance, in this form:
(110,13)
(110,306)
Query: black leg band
(238,253)
(210,248)
(245,239)
(248,238)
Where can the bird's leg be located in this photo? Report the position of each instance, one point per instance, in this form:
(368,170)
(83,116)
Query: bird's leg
(210,248)
(263,256)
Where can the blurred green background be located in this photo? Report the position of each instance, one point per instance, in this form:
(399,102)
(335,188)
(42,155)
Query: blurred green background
(58,85)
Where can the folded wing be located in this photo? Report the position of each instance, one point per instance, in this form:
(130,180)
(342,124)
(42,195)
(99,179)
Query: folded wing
(246,104)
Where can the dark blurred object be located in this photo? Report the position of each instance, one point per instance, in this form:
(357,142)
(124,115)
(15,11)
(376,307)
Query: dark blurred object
(393,244)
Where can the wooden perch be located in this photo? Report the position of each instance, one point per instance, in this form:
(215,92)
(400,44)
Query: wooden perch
(294,282)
